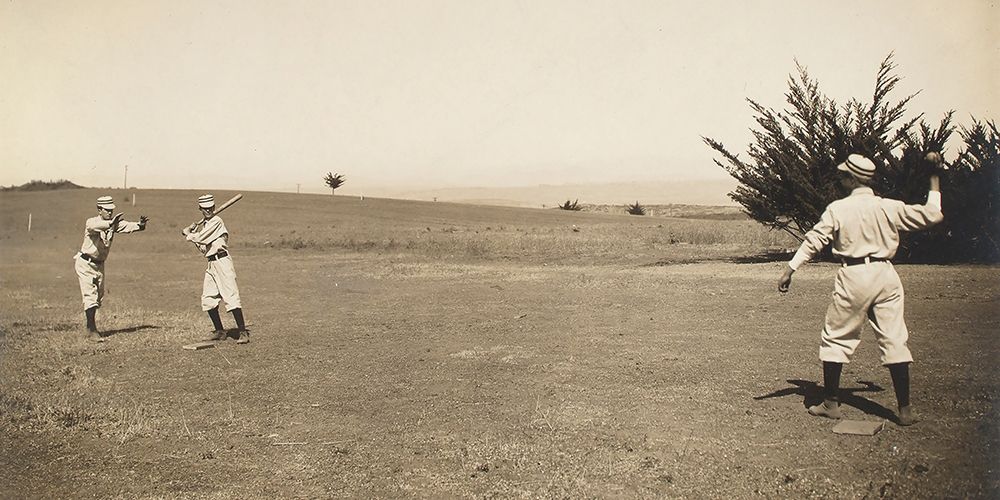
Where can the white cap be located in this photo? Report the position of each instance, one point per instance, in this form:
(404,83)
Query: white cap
(206,201)
(106,203)
(858,166)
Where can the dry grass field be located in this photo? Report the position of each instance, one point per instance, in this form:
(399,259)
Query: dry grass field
(433,350)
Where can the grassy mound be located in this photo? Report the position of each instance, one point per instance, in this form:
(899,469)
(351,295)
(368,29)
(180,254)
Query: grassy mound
(42,186)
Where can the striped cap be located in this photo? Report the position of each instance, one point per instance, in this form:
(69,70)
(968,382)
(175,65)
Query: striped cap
(206,201)
(858,166)
(106,203)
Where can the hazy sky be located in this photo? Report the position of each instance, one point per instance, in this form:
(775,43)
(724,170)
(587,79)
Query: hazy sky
(268,95)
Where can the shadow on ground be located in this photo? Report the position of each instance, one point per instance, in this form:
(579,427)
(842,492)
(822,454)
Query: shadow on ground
(812,394)
(131,329)
(673,262)
(763,258)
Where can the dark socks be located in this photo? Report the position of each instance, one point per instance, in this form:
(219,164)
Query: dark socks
(900,373)
(238,316)
(831,380)
(830,407)
(91,319)
(216,320)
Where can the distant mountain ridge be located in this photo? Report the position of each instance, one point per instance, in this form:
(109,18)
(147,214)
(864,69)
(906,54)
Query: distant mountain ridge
(42,186)
(712,193)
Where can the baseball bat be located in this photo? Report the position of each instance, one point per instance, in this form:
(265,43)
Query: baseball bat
(220,208)
(229,203)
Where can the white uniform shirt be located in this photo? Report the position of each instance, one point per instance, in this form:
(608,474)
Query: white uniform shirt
(212,238)
(98,236)
(864,225)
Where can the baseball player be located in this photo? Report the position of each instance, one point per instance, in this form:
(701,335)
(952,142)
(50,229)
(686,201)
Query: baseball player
(89,261)
(211,237)
(864,231)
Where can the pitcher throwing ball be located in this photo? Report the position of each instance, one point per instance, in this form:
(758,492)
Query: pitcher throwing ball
(864,231)
(211,237)
(89,261)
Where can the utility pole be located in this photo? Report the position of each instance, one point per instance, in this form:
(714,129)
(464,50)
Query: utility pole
(298,189)
(125,187)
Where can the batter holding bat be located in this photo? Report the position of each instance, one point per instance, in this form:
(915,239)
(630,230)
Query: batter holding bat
(864,231)
(211,237)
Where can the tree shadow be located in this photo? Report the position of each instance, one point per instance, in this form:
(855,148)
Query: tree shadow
(131,329)
(812,394)
(764,258)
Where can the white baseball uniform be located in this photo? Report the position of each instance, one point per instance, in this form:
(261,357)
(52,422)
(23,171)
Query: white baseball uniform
(89,261)
(864,230)
(220,276)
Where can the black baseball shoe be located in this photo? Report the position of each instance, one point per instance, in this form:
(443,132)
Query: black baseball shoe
(244,337)
(217,335)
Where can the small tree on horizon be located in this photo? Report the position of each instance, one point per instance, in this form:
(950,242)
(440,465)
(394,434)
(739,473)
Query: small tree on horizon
(570,206)
(334,181)
(635,209)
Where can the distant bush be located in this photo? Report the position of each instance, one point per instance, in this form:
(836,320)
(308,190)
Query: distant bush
(42,186)
(635,209)
(570,206)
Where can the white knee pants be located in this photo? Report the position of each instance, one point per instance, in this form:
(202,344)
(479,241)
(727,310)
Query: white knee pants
(220,285)
(91,276)
(871,292)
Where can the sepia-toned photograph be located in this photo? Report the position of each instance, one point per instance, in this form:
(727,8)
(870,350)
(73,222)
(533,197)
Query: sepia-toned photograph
(506,249)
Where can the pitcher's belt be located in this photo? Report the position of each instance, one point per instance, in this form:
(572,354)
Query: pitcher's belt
(88,258)
(217,255)
(853,261)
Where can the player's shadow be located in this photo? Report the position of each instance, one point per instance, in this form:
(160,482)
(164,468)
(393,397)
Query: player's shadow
(812,394)
(131,329)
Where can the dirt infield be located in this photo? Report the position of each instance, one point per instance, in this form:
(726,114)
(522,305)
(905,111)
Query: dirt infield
(407,349)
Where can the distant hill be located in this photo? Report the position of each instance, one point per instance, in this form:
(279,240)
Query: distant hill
(42,186)
(710,192)
(710,212)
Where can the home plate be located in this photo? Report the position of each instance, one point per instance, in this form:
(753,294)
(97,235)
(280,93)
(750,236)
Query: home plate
(859,427)
(199,345)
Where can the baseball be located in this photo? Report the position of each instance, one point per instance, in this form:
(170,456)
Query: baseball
(934,157)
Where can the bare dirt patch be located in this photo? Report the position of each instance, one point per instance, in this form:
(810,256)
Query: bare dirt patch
(571,370)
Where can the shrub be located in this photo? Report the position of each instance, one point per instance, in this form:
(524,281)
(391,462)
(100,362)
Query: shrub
(570,206)
(790,175)
(42,186)
(970,189)
(635,209)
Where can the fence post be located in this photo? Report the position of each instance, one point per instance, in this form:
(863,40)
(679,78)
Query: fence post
(29,222)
